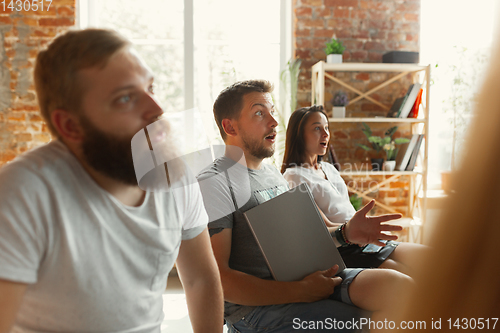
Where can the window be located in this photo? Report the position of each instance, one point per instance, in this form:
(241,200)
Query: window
(456,39)
(196,48)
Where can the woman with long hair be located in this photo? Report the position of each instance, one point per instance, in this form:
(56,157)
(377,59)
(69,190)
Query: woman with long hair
(307,139)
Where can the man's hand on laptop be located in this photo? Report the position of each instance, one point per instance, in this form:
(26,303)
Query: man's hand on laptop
(362,229)
(319,285)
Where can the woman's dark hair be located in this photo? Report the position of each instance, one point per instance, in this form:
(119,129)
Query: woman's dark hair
(294,144)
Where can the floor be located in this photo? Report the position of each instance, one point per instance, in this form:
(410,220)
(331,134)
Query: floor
(175,308)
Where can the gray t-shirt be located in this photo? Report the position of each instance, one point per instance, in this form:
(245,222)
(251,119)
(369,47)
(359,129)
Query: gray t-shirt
(225,210)
(91,262)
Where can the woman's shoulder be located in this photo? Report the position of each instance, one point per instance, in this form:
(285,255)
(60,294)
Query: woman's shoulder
(329,167)
(295,173)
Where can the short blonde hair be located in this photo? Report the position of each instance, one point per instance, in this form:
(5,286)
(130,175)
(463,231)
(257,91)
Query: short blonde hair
(56,70)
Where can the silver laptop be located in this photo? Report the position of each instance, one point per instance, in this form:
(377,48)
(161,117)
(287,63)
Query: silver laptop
(293,236)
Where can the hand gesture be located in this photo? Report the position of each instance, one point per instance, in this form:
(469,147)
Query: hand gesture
(362,229)
(320,285)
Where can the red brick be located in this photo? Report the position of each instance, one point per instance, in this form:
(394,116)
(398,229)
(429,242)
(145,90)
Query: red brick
(10,53)
(359,13)
(313,23)
(303,43)
(23,137)
(359,55)
(52,11)
(7,157)
(16,127)
(303,11)
(386,24)
(360,34)
(408,7)
(57,22)
(341,13)
(378,15)
(36,127)
(319,43)
(374,46)
(66,3)
(42,137)
(363,76)
(313,3)
(5,19)
(303,54)
(319,54)
(36,118)
(344,33)
(323,33)
(25,108)
(339,135)
(412,37)
(26,21)
(391,36)
(342,3)
(66,11)
(380,34)
(44,33)
(353,44)
(322,12)
(340,23)
(303,32)
(375,4)
(411,17)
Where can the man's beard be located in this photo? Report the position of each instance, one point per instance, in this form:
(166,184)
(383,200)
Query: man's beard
(256,148)
(108,154)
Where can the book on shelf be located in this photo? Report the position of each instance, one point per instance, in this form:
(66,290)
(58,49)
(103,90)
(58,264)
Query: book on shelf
(414,154)
(332,157)
(409,100)
(393,112)
(405,152)
(416,105)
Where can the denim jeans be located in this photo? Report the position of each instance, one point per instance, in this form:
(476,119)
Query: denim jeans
(322,316)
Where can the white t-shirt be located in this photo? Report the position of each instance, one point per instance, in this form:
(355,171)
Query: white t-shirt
(331,194)
(91,262)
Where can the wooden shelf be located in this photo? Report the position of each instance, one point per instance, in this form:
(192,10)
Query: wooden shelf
(418,178)
(371,67)
(376,120)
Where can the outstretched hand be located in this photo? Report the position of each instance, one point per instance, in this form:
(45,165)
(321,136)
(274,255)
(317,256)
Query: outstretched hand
(362,229)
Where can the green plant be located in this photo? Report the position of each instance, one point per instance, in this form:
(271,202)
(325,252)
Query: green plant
(334,47)
(386,143)
(356,201)
(289,78)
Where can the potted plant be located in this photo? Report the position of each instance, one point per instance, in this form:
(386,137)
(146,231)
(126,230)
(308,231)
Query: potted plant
(339,102)
(391,152)
(379,145)
(334,50)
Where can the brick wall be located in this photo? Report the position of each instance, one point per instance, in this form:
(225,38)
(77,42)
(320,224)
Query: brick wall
(368,29)
(22,34)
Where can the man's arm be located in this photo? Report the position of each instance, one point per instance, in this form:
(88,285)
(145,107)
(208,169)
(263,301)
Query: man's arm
(200,279)
(11,296)
(245,289)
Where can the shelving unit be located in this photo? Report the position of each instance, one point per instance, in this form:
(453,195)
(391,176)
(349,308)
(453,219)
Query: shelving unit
(418,178)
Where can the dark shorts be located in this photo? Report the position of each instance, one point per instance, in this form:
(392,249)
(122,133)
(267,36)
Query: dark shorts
(355,258)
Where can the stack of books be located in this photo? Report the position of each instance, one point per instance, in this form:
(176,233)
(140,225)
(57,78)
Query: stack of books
(408,153)
(408,105)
